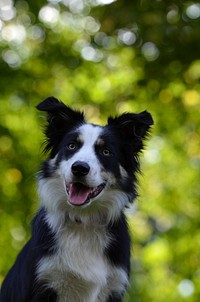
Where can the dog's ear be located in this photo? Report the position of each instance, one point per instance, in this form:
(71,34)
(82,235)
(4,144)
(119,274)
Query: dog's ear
(132,127)
(58,110)
(60,119)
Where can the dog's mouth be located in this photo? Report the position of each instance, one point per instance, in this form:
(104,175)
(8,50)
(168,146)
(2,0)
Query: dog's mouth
(80,194)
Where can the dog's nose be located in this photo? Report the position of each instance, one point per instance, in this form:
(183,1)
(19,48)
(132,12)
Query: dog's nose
(80,168)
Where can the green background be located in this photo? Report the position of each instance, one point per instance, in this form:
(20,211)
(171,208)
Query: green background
(108,57)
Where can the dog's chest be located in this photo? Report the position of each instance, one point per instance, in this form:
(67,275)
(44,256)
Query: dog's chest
(78,270)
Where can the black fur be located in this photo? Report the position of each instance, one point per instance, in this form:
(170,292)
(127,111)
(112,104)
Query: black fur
(20,284)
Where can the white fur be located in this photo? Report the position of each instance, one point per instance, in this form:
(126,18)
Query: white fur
(79,271)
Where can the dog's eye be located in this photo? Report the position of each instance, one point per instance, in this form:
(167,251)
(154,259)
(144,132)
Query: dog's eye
(106,152)
(71,146)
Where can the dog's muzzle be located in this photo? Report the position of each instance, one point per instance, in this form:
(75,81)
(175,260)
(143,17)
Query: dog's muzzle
(80,194)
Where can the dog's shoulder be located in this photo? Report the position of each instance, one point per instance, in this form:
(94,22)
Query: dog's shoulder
(118,251)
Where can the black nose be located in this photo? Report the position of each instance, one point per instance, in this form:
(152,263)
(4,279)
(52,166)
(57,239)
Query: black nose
(80,168)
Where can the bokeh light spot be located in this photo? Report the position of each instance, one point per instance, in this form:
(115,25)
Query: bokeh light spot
(186,288)
(193,11)
(150,51)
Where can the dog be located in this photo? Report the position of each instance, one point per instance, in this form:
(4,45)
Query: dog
(79,250)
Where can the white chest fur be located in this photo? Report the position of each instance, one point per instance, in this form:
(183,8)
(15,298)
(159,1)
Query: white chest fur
(78,270)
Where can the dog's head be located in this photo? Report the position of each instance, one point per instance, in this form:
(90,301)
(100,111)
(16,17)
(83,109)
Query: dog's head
(90,167)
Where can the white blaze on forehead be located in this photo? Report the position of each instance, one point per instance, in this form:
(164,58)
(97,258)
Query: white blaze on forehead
(89,134)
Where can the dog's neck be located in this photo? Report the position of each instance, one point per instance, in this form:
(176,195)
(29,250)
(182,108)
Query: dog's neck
(86,220)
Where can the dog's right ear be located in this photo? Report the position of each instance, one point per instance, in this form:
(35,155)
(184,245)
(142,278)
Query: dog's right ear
(60,120)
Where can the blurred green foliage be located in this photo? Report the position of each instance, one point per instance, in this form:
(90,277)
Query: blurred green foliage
(106,57)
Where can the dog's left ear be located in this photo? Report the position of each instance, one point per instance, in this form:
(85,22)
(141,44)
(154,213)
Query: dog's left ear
(132,127)
(60,119)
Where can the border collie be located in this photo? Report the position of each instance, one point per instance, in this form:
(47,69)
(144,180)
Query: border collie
(79,250)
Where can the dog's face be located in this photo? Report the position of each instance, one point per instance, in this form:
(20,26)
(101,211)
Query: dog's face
(90,166)
(86,164)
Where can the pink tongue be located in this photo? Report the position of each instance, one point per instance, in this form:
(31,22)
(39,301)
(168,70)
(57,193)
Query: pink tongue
(78,193)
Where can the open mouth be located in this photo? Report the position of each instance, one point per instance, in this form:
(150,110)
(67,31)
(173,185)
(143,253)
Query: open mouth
(79,194)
